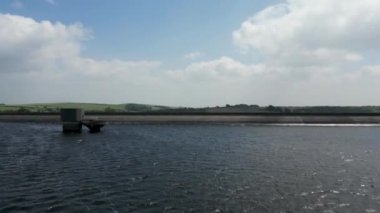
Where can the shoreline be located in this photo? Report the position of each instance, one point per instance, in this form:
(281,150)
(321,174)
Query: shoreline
(209,118)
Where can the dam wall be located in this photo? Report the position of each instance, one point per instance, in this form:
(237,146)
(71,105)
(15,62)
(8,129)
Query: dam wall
(255,119)
(207,118)
(30,118)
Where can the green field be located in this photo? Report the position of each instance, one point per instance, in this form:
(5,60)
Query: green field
(132,107)
(89,107)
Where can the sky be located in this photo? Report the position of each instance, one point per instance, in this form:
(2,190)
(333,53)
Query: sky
(190,53)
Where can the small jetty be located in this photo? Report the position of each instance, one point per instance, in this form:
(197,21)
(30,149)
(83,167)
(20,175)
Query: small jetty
(93,125)
(73,119)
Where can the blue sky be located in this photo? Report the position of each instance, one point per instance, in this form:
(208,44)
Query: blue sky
(148,30)
(190,53)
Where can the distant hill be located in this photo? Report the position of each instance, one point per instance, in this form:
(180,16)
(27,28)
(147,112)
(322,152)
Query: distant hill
(141,108)
(89,107)
(244,108)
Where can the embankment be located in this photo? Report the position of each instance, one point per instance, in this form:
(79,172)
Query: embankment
(206,118)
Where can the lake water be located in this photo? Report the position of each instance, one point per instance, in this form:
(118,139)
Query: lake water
(190,168)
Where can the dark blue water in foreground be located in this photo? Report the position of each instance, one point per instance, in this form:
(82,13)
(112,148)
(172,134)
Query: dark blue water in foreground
(190,168)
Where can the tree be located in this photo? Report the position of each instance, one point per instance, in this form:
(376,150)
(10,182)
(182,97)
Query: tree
(23,109)
(109,109)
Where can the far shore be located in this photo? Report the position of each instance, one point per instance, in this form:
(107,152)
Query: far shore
(253,118)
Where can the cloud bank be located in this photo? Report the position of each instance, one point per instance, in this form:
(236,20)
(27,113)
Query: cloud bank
(42,61)
(324,49)
(307,32)
(314,53)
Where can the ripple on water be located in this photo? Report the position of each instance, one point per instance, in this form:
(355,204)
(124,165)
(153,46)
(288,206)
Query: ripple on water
(189,168)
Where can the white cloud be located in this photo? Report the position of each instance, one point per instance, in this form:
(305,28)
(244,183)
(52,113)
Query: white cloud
(224,68)
(27,45)
(315,54)
(322,31)
(42,61)
(215,82)
(193,55)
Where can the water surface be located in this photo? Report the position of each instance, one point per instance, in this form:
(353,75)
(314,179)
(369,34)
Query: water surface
(190,168)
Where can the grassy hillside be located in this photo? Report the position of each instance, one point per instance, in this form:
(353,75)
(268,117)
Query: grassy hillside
(89,107)
(240,108)
(244,108)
